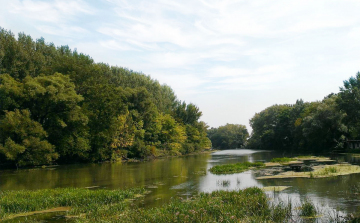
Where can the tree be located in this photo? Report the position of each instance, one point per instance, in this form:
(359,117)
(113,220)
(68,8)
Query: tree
(323,129)
(348,101)
(229,136)
(23,140)
(271,128)
(54,104)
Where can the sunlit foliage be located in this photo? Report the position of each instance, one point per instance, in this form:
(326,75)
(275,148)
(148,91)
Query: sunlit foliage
(85,111)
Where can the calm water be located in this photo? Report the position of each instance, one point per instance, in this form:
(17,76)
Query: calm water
(185,176)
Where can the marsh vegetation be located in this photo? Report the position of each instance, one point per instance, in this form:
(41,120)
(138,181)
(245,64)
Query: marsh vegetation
(234,168)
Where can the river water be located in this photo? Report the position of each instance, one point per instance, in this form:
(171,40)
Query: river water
(186,176)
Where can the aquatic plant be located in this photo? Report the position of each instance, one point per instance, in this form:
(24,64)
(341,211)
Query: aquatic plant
(80,200)
(248,205)
(282,160)
(224,183)
(234,168)
(308,208)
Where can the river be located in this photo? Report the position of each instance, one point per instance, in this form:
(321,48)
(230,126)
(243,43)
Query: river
(185,176)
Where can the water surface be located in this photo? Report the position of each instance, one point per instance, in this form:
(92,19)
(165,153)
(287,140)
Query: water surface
(186,176)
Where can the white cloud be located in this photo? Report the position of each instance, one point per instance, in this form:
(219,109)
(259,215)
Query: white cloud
(302,46)
(114,45)
(61,30)
(49,11)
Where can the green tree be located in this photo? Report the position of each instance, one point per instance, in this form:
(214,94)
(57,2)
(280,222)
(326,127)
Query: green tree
(229,136)
(323,129)
(349,102)
(54,103)
(271,128)
(23,140)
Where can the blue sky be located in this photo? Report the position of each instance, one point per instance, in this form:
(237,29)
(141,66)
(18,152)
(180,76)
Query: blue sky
(232,58)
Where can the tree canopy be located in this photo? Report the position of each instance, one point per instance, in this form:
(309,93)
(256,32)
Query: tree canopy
(229,136)
(58,105)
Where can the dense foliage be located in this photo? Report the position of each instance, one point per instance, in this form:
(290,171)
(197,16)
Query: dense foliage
(319,126)
(59,105)
(229,136)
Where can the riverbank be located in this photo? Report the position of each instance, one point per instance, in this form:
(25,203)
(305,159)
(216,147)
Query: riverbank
(84,205)
(132,160)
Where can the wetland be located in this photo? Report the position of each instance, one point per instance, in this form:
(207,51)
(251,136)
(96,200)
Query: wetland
(185,177)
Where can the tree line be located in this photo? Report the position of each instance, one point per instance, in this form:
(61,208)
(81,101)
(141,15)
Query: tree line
(58,105)
(320,126)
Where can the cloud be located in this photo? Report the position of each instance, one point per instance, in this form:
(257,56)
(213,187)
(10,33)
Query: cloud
(114,45)
(62,30)
(49,11)
(225,78)
(218,46)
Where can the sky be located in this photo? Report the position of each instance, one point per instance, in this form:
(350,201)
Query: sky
(232,58)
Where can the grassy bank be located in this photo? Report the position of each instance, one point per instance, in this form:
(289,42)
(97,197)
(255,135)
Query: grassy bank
(96,204)
(234,168)
(249,205)
(83,205)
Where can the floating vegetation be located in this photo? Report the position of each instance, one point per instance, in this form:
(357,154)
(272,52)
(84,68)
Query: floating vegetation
(320,171)
(200,172)
(224,183)
(282,160)
(234,168)
(275,188)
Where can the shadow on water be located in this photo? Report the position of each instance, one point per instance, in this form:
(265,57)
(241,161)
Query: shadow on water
(184,177)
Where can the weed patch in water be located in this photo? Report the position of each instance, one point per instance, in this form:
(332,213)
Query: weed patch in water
(234,168)
(248,205)
(308,209)
(282,160)
(275,188)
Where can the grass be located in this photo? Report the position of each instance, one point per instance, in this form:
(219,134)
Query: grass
(93,203)
(328,170)
(282,160)
(308,209)
(248,205)
(234,168)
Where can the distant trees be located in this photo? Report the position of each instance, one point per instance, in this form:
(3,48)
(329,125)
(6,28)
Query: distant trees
(74,110)
(319,126)
(348,101)
(229,136)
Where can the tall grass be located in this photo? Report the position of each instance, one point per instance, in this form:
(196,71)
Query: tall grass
(234,168)
(308,208)
(80,200)
(248,205)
